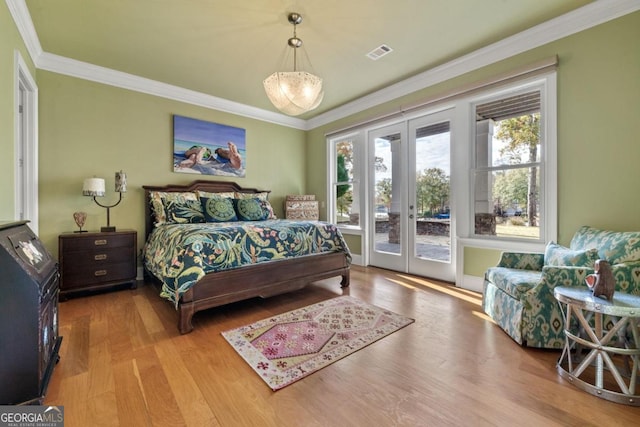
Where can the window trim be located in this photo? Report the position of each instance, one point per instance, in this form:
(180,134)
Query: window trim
(547,85)
(359,176)
(463,155)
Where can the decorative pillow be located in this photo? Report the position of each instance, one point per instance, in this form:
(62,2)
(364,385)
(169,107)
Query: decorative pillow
(218,209)
(267,207)
(209,195)
(183,212)
(615,246)
(250,209)
(159,199)
(264,197)
(557,255)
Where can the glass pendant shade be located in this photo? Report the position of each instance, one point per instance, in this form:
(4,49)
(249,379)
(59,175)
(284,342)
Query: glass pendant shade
(294,92)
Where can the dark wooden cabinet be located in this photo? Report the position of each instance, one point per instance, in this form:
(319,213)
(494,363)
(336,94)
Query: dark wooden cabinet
(92,261)
(29,341)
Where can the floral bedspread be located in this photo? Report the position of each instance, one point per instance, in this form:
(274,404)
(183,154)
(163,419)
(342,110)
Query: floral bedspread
(181,254)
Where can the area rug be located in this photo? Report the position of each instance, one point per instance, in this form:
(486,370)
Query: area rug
(285,348)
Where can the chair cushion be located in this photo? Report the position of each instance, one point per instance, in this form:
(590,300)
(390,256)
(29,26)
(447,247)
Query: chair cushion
(513,281)
(559,256)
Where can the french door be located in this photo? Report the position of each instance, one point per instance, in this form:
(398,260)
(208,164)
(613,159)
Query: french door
(411,218)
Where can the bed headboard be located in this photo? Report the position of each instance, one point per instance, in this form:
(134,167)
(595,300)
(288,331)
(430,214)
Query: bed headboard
(202,185)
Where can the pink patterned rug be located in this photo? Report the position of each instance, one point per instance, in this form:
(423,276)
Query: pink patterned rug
(285,348)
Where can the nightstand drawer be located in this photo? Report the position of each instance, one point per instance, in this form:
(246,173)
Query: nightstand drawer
(80,261)
(84,275)
(98,242)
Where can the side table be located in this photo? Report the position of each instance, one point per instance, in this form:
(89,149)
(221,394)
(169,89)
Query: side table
(93,261)
(596,356)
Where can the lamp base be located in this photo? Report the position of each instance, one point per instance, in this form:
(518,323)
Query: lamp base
(107,229)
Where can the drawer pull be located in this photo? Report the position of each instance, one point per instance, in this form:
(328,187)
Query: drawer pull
(100,257)
(100,242)
(100,273)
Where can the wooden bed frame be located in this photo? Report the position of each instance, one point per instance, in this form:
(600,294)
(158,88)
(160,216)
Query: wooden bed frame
(259,280)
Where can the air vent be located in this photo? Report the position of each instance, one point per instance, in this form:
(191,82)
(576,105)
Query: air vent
(379,52)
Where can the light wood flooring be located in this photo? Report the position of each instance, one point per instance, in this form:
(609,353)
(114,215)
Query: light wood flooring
(123,363)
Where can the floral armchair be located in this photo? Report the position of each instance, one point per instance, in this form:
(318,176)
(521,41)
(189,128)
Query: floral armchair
(518,292)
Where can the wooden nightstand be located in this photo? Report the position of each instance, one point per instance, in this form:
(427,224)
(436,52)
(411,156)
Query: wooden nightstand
(91,261)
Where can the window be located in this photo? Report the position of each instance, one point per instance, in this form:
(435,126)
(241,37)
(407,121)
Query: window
(503,178)
(512,148)
(345,181)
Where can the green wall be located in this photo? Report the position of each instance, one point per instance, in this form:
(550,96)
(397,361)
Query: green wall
(90,129)
(10,41)
(598,148)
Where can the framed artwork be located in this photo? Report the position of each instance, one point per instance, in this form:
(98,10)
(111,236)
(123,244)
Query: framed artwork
(208,148)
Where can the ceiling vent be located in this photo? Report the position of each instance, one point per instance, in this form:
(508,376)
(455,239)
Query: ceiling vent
(379,52)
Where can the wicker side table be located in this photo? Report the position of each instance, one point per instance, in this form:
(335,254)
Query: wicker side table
(601,359)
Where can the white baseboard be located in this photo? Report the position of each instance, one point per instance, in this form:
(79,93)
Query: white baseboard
(472,283)
(357,260)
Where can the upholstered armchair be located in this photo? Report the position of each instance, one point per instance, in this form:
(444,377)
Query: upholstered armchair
(518,292)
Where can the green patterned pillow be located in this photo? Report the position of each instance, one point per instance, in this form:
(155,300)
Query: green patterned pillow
(218,209)
(183,211)
(250,209)
(615,246)
(560,256)
(159,200)
(263,196)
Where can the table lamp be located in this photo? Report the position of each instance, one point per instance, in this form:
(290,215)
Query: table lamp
(94,187)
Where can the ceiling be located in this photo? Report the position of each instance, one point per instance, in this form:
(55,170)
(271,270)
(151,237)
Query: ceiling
(226,48)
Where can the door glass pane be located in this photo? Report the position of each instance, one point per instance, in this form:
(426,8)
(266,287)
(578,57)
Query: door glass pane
(387,194)
(432,173)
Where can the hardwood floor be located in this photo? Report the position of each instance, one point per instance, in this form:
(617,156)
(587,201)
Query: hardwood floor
(123,363)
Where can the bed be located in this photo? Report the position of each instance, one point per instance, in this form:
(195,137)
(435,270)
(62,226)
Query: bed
(196,279)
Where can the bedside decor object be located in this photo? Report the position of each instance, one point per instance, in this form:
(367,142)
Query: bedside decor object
(80,218)
(294,92)
(94,187)
(303,207)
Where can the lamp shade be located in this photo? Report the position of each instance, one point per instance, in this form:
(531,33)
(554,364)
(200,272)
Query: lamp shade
(294,92)
(93,187)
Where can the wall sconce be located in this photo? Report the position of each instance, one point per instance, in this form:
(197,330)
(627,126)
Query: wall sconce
(94,187)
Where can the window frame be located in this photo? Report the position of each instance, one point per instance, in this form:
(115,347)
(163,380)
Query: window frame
(463,155)
(546,85)
(359,175)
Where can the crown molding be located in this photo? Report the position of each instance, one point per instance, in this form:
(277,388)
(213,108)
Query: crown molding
(596,13)
(96,73)
(22,18)
(588,16)
(83,70)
